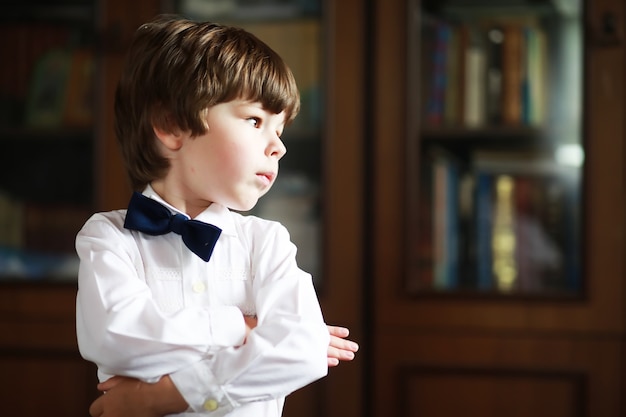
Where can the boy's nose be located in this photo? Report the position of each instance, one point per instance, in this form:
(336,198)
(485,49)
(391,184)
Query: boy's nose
(277,148)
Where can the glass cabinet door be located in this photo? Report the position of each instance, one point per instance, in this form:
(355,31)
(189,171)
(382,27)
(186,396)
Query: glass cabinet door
(46,129)
(498,157)
(293,28)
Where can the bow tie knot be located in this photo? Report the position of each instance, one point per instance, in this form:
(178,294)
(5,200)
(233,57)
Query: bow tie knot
(151,217)
(177,223)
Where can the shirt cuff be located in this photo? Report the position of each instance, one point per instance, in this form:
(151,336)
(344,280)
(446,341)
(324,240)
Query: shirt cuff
(198,386)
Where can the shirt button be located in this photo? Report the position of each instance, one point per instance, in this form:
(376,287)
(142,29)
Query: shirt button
(198,287)
(210,405)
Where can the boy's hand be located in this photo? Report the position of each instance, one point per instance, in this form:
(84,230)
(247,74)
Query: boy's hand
(128,397)
(251,322)
(340,349)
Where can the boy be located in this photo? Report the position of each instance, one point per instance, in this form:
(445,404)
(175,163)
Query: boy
(205,309)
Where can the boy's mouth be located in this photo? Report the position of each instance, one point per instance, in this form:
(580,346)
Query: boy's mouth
(266,177)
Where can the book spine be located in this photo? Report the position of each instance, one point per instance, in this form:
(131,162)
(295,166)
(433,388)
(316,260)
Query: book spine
(483,214)
(445,223)
(504,241)
(474,114)
(494,76)
(436,99)
(453,73)
(512,65)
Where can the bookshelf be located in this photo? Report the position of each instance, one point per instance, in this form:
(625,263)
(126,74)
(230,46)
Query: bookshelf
(549,348)
(47,97)
(499,146)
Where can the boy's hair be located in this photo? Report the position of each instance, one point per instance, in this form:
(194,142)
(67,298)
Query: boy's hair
(176,69)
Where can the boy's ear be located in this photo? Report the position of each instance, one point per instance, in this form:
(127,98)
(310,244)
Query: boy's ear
(172,140)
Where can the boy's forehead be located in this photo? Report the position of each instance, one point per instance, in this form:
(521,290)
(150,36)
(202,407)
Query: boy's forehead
(255,104)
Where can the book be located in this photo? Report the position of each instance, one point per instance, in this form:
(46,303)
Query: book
(453,70)
(79,101)
(438,33)
(525,232)
(534,79)
(494,74)
(512,70)
(474,107)
(423,251)
(10,221)
(46,98)
(483,230)
(445,215)
(503,237)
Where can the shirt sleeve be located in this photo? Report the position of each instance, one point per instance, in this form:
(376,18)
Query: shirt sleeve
(119,326)
(286,351)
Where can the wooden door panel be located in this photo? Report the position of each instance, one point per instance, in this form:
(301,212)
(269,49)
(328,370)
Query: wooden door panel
(486,374)
(444,393)
(48,383)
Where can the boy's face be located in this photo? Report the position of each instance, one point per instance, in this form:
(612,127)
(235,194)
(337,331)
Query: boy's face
(236,161)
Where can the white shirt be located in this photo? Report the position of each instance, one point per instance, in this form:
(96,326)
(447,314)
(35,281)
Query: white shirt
(147,307)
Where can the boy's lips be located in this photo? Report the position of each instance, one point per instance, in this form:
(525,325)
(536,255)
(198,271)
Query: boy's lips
(266,177)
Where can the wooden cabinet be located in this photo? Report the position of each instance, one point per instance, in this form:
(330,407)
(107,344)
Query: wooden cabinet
(476,354)
(40,368)
(423,353)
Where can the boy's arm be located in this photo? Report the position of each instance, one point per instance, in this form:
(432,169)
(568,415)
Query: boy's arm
(339,348)
(127,397)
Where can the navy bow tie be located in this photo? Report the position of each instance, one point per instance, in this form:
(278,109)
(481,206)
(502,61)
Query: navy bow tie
(153,218)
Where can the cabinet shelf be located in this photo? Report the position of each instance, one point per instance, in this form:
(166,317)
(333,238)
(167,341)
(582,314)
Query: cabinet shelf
(17,134)
(493,133)
(246,11)
(69,11)
(471,8)
(461,139)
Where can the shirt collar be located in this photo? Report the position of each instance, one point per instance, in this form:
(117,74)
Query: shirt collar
(216,214)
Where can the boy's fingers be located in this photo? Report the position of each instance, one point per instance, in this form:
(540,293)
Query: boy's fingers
(343,344)
(95,410)
(338,331)
(333,362)
(109,383)
(341,354)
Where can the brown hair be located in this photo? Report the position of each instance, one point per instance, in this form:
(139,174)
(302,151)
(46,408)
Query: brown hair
(175,70)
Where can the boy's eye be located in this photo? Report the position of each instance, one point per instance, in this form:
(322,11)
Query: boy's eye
(254,121)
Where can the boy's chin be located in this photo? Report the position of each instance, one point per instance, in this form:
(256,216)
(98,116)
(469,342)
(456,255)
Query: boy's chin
(243,207)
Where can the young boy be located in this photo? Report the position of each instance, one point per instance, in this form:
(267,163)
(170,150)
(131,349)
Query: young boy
(195,308)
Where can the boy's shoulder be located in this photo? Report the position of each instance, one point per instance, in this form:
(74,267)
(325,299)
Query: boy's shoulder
(255,224)
(106,220)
